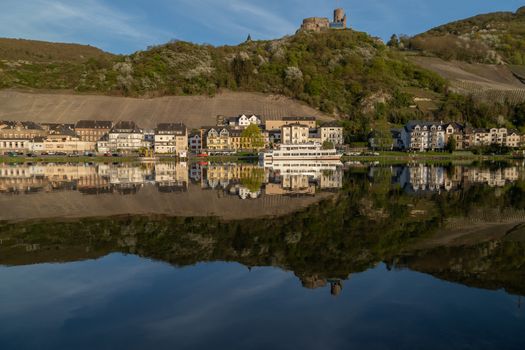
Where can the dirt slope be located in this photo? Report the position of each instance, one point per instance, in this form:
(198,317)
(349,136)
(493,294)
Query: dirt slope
(195,111)
(485,75)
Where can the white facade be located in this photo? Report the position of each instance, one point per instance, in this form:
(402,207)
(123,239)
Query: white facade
(171,144)
(14,145)
(423,136)
(126,142)
(333,134)
(244,121)
(295,134)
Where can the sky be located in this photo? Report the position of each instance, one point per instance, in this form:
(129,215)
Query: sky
(125,26)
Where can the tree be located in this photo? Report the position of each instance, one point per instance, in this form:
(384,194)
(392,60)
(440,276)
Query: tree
(393,42)
(254,180)
(328,145)
(451,145)
(383,135)
(253,137)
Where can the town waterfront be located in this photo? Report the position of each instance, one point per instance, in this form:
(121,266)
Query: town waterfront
(164,255)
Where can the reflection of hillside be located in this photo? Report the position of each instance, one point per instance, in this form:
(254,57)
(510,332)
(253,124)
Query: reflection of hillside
(472,236)
(494,264)
(318,258)
(148,200)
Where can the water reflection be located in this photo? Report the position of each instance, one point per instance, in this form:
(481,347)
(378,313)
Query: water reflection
(367,215)
(433,178)
(248,181)
(358,246)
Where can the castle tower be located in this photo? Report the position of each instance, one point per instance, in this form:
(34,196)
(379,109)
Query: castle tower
(340,18)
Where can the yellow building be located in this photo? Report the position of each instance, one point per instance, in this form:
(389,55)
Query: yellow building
(276,124)
(226,139)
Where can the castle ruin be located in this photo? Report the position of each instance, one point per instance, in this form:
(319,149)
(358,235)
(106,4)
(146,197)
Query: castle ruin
(318,24)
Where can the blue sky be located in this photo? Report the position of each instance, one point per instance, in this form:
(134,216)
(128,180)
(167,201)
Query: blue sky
(124,26)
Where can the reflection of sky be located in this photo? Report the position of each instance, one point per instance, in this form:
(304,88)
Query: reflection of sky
(127,302)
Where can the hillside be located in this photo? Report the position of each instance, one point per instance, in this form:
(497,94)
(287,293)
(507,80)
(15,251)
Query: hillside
(493,38)
(485,82)
(13,50)
(194,111)
(342,73)
(335,71)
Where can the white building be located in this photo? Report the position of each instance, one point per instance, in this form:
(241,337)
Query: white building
(14,145)
(244,121)
(295,134)
(126,137)
(423,136)
(513,139)
(171,138)
(332,132)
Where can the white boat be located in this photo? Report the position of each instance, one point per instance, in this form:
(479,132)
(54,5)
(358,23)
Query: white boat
(299,153)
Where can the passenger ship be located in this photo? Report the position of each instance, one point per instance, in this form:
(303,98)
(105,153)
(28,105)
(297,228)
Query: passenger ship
(299,153)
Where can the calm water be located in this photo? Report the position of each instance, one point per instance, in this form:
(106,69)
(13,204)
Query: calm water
(236,256)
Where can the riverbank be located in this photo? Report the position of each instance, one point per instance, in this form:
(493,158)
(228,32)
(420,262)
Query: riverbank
(383,157)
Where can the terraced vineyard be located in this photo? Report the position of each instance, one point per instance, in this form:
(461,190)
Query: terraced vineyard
(489,95)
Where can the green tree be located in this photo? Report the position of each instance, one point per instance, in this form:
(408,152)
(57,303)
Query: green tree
(383,135)
(253,137)
(254,180)
(451,145)
(394,41)
(328,145)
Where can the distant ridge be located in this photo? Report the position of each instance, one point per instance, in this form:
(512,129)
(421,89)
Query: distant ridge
(42,51)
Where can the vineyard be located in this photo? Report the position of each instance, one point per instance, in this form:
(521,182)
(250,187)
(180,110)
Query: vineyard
(481,93)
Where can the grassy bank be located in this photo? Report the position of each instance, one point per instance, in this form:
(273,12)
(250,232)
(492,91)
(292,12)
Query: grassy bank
(383,157)
(389,157)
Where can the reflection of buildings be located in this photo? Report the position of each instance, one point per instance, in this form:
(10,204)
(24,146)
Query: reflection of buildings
(421,177)
(315,282)
(244,180)
(304,177)
(171,177)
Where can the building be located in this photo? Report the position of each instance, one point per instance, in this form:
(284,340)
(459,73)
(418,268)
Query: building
(12,130)
(315,24)
(15,145)
(295,134)
(195,142)
(217,139)
(62,139)
(423,136)
(149,137)
(126,136)
(513,139)
(228,139)
(241,121)
(171,138)
(455,131)
(476,137)
(340,19)
(276,124)
(238,142)
(318,24)
(103,144)
(332,132)
(92,130)
(17,136)
(498,136)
